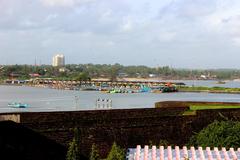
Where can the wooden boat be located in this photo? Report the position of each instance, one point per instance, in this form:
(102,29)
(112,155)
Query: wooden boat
(221,82)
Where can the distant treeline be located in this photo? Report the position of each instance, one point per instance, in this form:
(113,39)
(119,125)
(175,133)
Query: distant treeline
(87,71)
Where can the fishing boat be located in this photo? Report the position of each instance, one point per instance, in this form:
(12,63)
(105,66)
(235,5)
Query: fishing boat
(115,90)
(88,88)
(220,82)
(18,105)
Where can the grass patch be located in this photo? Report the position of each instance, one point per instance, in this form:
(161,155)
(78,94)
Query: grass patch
(209,89)
(189,113)
(204,107)
(193,108)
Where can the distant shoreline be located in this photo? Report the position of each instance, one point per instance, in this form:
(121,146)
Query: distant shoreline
(220,90)
(217,92)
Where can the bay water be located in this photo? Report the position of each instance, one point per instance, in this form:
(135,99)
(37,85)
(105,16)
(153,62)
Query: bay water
(46,99)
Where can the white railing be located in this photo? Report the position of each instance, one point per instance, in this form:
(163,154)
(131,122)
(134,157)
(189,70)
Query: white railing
(103,104)
(169,153)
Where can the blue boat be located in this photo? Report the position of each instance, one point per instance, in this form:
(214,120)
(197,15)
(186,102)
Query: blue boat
(18,105)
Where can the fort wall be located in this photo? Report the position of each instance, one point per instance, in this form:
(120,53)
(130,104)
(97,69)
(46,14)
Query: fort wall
(127,127)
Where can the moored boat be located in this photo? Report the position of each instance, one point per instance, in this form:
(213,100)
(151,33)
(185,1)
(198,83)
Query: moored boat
(221,82)
(18,105)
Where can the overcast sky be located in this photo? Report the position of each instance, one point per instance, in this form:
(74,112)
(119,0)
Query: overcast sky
(178,33)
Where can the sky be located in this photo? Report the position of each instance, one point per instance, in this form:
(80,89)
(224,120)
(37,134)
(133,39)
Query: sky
(177,33)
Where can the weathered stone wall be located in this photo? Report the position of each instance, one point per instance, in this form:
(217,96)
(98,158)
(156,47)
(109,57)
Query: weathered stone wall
(10,117)
(127,127)
(18,142)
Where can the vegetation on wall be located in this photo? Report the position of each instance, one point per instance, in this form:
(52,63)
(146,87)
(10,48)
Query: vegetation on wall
(116,153)
(74,148)
(218,134)
(94,155)
(74,151)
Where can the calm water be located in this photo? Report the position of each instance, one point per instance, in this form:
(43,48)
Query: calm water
(42,99)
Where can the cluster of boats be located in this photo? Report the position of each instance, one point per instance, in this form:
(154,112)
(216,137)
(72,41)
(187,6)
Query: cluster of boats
(140,89)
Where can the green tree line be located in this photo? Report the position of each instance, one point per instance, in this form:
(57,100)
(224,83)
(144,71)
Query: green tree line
(112,71)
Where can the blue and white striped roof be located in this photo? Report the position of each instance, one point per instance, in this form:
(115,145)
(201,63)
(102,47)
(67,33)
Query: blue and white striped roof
(176,153)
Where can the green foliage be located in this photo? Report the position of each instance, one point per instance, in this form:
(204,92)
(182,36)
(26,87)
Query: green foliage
(94,155)
(209,89)
(72,151)
(163,142)
(112,71)
(151,143)
(74,148)
(116,153)
(204,107)
(83,76)
(219,134)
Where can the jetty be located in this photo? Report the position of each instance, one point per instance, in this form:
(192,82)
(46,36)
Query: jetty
(71,84)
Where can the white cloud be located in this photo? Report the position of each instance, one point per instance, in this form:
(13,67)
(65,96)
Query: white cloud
(224,21)
(47,43)
(110,43)
(51,17)
(106,15)
(166,36)
(28,24)
(127,24)
(119,27)
(63,3)
(236,41)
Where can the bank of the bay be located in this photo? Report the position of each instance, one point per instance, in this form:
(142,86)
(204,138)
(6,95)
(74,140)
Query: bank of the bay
(209,89)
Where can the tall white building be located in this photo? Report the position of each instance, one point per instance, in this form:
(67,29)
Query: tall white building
(58,60)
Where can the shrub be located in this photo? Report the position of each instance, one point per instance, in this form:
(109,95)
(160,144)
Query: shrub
(74,148)
(94,155)
(218,134)
(116,153)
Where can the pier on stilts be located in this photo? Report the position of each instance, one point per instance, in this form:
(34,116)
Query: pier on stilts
(71,84)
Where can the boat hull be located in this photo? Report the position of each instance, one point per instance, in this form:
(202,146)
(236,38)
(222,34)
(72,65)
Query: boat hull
(18,105)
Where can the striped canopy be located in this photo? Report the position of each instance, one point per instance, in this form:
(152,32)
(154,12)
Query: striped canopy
(176,153)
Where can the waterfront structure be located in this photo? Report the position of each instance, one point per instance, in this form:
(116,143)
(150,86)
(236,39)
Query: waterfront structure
(103,104)
(58,60)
